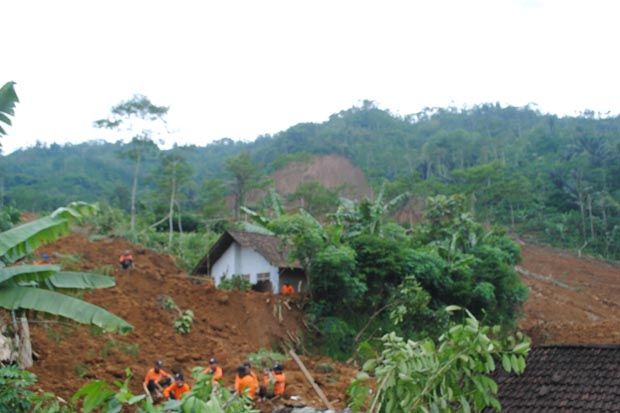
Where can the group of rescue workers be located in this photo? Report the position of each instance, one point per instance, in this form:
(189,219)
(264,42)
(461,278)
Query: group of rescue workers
(159,384)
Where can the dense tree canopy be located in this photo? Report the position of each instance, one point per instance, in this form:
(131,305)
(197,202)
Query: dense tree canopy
(552,177)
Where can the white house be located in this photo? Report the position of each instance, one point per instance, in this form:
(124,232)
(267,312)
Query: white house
(261,259)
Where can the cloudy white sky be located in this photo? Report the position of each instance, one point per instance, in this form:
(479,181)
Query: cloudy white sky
(243,68)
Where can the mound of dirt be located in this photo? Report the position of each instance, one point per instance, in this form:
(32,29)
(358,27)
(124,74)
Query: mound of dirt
(227,325)
(573,300)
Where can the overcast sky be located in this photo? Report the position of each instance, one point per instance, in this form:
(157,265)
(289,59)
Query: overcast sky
(243,68)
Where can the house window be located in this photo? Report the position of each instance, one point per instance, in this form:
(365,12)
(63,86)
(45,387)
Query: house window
(263,276)
(245,277)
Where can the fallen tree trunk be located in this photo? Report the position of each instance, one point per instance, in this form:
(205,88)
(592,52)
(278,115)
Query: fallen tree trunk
(544,278)
(310,379)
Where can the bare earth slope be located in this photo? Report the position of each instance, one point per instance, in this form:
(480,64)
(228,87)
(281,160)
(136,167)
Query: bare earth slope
(226,325)
(576,301)
(332,171)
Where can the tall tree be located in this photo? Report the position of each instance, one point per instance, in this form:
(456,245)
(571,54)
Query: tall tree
(213,196)
(175,174)
(134,116)
(246,175)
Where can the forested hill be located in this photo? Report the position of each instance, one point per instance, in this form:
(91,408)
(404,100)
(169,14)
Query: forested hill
(559,175)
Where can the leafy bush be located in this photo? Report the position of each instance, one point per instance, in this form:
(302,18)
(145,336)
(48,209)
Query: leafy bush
(236,282)
(450,375)
(183,324)
(9,216)
(337,338)
(167,303)
(14,394)
(266,359)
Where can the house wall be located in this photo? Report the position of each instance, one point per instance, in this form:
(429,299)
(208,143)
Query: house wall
(239,260)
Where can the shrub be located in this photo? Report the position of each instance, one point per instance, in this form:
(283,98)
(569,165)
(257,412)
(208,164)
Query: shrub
(14,394)
(183,324)
(167,303)
(266,359)
(236,282)
(337,338)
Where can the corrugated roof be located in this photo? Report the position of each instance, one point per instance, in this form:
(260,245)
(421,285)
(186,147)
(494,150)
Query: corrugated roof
(577,378)
(275,250)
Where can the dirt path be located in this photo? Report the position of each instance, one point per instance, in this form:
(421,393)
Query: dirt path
(226,325)
(576,301)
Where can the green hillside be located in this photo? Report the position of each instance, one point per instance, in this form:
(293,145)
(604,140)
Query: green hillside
(556,177)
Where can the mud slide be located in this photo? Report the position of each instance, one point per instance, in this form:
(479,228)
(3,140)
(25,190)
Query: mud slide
(573,300)
(226,325)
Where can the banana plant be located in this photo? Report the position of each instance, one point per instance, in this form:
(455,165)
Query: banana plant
(367,216)
(32,287)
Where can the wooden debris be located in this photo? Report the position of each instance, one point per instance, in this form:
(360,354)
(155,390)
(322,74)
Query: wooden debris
(310,379)
(543,278)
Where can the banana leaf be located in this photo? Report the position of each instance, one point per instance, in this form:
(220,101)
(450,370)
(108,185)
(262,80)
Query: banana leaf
(51,302)
(8,99)
(20,241)
(80,280)
(27,273)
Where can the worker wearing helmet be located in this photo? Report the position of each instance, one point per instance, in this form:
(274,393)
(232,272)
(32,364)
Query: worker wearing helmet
(155,380)
(215,370)
(245,384)
(126,260)
(176,390)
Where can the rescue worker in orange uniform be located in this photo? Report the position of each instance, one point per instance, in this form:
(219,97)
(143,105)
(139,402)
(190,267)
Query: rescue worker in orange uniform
(176,390)
(126,260)
(246,384)
(215,370)
(155,380)
(280,380)
(274,382)
(287,289)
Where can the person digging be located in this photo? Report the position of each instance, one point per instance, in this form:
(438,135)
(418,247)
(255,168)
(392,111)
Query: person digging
(176,390)
(155,381)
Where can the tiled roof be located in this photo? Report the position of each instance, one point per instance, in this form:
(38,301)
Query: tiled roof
(564,379)
(272,248)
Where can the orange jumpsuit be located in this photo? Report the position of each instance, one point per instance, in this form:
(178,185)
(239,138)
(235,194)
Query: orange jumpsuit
(175,391)
(216,371)
(287,290)
(247,382)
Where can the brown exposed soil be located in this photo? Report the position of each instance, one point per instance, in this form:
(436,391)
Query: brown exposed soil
(572,300)
(227,325)
(332,171)
(576,301)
